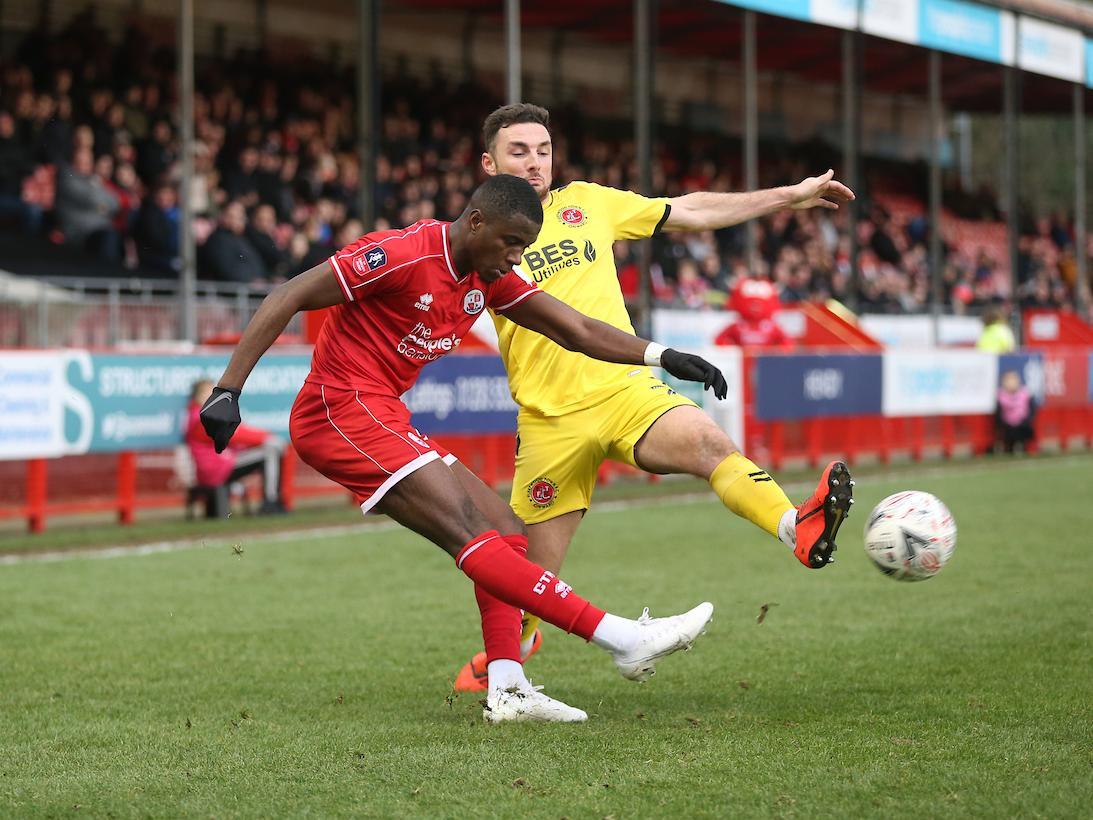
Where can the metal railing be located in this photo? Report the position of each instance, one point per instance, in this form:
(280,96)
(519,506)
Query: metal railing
(52,312)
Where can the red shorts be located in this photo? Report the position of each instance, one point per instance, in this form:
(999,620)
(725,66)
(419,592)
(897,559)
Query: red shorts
(364,442)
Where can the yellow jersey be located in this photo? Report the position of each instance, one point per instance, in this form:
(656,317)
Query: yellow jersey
(572,259)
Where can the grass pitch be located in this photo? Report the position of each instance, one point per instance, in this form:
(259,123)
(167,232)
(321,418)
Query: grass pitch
(311,676)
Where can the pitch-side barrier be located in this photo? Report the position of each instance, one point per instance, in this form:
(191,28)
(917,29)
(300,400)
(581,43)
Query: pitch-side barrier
(86,432)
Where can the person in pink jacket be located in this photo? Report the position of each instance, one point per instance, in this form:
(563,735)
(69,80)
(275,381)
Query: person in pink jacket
(1015,413)
(252,450)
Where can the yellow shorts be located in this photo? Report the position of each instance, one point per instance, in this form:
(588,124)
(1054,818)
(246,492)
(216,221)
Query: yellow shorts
(557,457)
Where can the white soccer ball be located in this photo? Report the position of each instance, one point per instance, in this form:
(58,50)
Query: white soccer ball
(910,536)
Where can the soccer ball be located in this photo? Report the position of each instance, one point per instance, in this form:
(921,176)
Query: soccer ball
(910,536)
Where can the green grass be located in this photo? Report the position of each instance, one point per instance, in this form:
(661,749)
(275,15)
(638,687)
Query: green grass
(310,677)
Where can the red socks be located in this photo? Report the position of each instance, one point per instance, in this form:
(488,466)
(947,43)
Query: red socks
(501,622)
(499,568)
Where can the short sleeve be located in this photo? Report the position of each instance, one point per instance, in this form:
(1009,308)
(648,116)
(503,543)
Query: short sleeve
(365,267)
(510,290)
(635,216)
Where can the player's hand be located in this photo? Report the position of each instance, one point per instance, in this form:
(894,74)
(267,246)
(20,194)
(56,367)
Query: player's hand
(820,192)
(694,369)
(220,416)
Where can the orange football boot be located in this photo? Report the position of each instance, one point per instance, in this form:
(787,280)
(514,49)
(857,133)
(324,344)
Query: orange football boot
(473,677)
(821,514)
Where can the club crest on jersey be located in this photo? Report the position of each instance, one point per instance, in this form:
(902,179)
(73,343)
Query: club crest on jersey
(542,492)
(571,215)
(424,302)
(474,301)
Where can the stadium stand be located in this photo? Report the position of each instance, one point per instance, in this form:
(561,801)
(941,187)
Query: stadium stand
(90,168)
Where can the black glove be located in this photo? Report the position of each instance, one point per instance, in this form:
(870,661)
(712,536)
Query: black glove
(220,416)
(694,369)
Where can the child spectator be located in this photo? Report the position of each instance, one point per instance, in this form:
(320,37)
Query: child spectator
(1015,413)
(252,450)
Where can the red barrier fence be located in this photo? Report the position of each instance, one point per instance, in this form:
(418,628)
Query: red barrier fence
(123,483)
(142,481)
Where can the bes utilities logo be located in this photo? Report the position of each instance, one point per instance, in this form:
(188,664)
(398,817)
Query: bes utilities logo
(542,492)
(424,302)
(572,215)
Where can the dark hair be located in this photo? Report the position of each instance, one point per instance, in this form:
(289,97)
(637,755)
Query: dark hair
(513,114)
(197,387)
(503,195)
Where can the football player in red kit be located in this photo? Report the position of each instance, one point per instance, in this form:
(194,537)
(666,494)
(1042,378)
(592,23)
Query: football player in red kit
(405,298)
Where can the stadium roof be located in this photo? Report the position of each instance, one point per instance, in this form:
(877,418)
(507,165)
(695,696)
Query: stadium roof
(713,30)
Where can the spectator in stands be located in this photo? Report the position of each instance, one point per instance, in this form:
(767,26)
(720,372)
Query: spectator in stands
(252,450)
(156,153)
(272,188)
(228,255)
(1015,414)
(281,136)
(997,337)
(260,233)
(241,181)
(53,130)
(156,231)
(86,208)
(691,287)
(15,166)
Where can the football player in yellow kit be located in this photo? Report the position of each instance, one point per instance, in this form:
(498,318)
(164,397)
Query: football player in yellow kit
(575,412)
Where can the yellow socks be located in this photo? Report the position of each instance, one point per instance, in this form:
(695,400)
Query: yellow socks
(750,492)
(527,633)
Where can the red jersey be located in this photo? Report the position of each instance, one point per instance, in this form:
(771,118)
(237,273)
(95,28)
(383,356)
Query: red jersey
(405,306)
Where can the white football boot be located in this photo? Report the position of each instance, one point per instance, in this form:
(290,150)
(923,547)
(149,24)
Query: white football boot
(660,637)
(527,702)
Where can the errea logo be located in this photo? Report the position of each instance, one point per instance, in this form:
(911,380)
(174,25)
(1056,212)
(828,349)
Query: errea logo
(424,302)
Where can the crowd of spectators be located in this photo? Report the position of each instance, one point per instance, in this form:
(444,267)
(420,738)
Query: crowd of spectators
(89,157)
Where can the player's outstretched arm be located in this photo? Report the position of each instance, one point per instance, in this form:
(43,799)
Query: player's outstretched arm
(574,331)
(313,289)
(704,211)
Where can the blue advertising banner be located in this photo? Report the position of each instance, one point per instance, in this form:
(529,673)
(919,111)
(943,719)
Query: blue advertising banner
(462,394)
(961,28)
(797,9)
(138,402)
(56,403)
(802,387)
(841,13)
(1089,62)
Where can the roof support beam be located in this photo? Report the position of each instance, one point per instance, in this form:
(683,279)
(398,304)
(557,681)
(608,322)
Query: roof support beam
(1082,279)
(751,127)
(936,133)
(513,67)
(187,245)
(367,105)
(851,99)
(643,143)
(1010,113)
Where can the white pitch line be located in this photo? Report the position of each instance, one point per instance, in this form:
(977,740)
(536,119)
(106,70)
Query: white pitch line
(386,526)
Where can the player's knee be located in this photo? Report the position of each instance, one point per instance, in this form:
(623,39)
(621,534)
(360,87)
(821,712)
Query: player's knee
(514,526)
(715,446)
(471,520)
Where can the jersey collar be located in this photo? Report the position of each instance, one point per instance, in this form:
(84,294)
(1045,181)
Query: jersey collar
(447,256)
